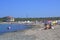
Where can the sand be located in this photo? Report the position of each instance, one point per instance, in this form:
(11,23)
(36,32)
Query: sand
(33,34)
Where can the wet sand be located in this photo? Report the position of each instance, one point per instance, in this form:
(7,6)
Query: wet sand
(33,34)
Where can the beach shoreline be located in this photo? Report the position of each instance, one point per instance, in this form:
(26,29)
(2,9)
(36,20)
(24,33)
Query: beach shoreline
(33,34)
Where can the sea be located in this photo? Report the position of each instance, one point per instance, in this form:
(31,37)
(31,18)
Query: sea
(5,28)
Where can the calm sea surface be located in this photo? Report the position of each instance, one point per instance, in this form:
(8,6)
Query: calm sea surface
(4,28)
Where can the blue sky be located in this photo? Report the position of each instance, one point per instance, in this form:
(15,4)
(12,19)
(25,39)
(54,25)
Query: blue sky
(29,8)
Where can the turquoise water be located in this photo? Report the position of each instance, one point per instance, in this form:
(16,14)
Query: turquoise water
(13,27)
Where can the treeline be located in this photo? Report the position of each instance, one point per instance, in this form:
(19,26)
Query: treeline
(38,19)
(32,19)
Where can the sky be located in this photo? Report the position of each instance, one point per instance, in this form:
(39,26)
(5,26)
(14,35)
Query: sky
(30,8)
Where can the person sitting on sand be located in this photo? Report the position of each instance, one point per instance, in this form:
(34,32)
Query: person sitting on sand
(47,25)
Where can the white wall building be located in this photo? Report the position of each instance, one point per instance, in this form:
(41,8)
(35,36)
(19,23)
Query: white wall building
(10,19)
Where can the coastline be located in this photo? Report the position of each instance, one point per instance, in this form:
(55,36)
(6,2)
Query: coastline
(31,23)
(33,34)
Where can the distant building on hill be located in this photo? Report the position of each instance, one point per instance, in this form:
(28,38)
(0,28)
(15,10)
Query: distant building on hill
(9,19)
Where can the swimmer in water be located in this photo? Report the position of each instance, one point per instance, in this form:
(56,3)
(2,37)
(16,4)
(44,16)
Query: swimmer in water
(9,27)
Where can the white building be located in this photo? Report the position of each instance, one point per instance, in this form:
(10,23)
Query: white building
(10,19)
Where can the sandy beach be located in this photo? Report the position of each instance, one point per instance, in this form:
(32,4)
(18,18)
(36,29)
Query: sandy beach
(33,34)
